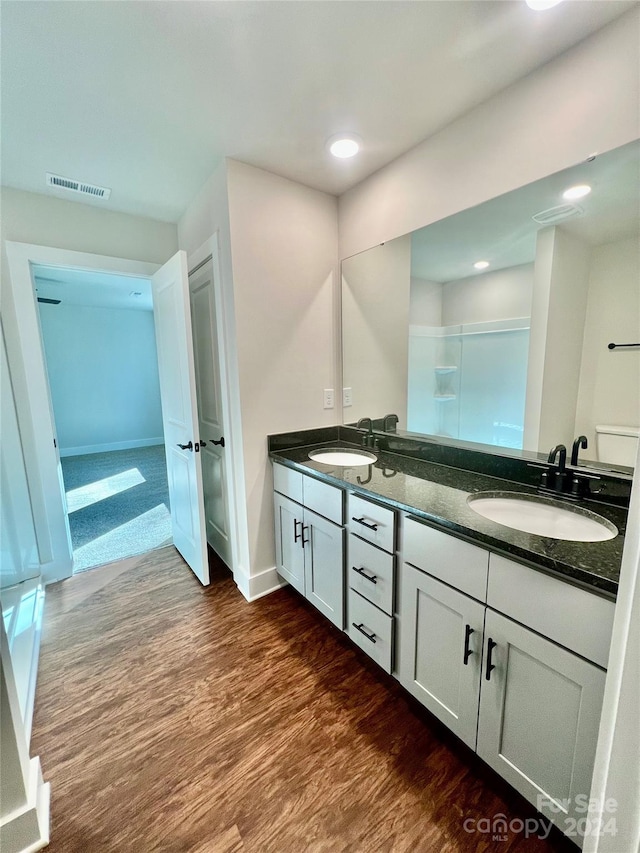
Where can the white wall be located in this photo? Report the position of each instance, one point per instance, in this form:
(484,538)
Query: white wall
(425,302)
(48,221)
(103,373)
(609,391)
(283,247)
(557,330)
(375,310)
(586,100)
(496,295)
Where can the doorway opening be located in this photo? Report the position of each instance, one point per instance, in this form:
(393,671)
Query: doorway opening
(100,353)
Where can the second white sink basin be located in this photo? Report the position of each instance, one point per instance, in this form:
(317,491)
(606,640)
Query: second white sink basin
(542,517)
(346,458)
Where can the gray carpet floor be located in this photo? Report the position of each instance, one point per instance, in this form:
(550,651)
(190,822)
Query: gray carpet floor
(118,504)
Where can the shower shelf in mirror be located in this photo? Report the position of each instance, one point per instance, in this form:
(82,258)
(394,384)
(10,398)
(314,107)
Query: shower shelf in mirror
(443,397)
(445,368)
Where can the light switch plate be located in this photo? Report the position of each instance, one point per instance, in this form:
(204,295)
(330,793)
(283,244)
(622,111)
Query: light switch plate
(347,397)
(328,398)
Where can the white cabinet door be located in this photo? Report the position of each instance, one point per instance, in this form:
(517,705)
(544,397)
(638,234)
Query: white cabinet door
(289,552)
(324,566)
(441,650)
(539,716)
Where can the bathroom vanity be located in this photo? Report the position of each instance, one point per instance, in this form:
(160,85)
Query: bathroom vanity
(501,634)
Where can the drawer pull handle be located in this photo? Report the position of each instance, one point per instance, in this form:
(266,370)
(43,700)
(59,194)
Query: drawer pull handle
(370,636)
(361,571)
(468,631)
(364,523)
(296,535)
(303,528)
(490,647)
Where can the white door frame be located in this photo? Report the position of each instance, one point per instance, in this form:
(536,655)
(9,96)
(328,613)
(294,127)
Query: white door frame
(31,387)
(231,417)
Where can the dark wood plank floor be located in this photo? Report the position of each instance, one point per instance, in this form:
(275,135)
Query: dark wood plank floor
(172,718)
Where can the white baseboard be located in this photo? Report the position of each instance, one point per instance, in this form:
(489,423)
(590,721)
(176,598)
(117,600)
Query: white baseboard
(114,445)
(257,586)
(27,829)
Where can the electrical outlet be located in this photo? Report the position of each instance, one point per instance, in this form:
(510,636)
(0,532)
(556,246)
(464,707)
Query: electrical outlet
(347,397)
(328,398)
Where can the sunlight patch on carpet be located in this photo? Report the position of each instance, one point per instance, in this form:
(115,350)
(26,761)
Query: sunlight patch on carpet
(146,532)
(100,490)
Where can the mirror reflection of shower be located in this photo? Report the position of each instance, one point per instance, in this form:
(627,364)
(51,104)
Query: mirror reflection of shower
(468,381)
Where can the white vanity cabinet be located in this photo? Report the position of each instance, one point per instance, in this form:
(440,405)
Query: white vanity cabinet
(309,516)
(515,669)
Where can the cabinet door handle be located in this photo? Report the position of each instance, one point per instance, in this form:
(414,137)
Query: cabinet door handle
(370,636)
(361,571)
(468,631)
(296,535)
(491,644)
(304,527)
(364,523)
(220,441)
(186,446)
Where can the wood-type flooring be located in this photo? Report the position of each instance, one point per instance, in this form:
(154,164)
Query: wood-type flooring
(180,719)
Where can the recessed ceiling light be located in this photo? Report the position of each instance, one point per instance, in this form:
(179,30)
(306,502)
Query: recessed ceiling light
(481,265)
(541,5)
(579,191)
(344,145)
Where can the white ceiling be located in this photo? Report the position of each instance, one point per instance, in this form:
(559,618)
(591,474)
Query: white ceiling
(147,97)
(503,232)
(93,289)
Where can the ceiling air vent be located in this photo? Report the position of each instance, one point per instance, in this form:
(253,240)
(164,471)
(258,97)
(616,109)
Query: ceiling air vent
(77,186)
(557,214)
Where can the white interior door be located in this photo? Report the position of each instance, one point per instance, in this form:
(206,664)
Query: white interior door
(179,412)
(210,408)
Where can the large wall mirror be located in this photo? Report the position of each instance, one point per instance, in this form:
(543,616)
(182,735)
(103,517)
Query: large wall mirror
(493,326)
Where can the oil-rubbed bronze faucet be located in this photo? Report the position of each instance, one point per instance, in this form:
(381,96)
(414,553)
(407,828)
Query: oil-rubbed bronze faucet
(580,442)
(390,422)
(560,475)
(367,438)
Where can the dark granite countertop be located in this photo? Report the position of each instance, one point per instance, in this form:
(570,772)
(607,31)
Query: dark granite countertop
(438,494)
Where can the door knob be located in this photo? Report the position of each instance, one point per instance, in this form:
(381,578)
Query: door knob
(186,446)
(203,443)
(221,442)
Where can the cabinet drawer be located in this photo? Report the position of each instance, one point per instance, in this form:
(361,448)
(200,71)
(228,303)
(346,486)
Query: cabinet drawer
(453,561)
(374,623)
(372,522)
(287,482)
(572,617)
(324,499)
(371,573)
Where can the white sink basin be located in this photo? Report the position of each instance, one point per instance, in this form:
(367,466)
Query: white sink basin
(346,458)
(542,517)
